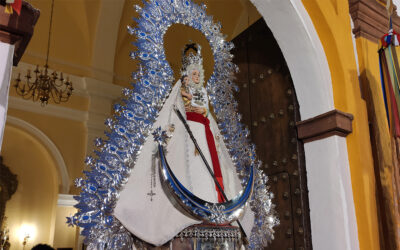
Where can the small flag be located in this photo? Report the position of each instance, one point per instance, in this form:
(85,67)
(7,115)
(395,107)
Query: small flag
(8,9)
(390,79)
(17,6)
(13,5)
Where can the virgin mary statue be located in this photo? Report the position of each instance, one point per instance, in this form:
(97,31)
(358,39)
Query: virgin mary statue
(193,177)
(145,206)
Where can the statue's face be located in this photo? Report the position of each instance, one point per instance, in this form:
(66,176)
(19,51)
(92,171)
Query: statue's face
(185,80)
(195,76)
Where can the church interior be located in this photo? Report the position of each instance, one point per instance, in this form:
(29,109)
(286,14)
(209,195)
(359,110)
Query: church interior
(309,92)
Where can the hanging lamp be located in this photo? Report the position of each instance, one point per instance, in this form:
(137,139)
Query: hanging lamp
(43,85)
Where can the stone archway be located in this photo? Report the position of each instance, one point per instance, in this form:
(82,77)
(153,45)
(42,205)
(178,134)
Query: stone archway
(332,211)
(53,150)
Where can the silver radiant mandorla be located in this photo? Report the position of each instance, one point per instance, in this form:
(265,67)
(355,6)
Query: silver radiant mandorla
(132,123)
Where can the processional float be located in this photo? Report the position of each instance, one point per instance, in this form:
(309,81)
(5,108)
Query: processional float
(135,125)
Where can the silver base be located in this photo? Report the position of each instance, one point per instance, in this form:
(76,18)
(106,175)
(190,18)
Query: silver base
(201,237)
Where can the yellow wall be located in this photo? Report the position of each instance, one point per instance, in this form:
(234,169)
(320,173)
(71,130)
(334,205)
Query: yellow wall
(68,136)
(72,47)
(73,33)
(64,236)
(371,85)
(34,202)
(235,18)
(332,22)
(369,71)
(75,26)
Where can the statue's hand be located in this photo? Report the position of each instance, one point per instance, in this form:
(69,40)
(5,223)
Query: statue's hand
(187,95)
(200,110)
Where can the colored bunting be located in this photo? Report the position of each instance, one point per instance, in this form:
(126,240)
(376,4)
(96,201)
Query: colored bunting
(13,5)
(390,73)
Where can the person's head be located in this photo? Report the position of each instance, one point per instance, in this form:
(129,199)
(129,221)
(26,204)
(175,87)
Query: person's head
(184,80)
(42,247)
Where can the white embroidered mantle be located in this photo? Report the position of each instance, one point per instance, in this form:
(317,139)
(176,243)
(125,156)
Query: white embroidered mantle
(156,219)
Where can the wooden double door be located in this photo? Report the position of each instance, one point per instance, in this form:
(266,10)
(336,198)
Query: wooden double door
(268,103)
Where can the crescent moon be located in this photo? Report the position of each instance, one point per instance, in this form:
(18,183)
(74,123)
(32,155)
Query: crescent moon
(208,212)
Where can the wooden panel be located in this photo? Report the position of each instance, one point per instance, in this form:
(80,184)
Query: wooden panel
(240,53)
(280,186)
(269,106)
(334,122)
(18,29)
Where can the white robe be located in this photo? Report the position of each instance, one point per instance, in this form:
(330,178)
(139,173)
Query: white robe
(158,220)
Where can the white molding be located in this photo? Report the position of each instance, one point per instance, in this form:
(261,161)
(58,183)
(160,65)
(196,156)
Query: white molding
(83,86)
(304,54)
(61,167)
(66,200)
(101,97)
(397,4)
(102,89)
(103,74)
(106,36)
(67,64)
(77,82)
(50,110)
(332,211)
(353,38)
(123,78)
(6,59)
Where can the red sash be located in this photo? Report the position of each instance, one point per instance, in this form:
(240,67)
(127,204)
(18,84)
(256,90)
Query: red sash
(196,117)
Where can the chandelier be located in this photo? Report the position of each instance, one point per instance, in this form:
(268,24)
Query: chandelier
(46,85)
